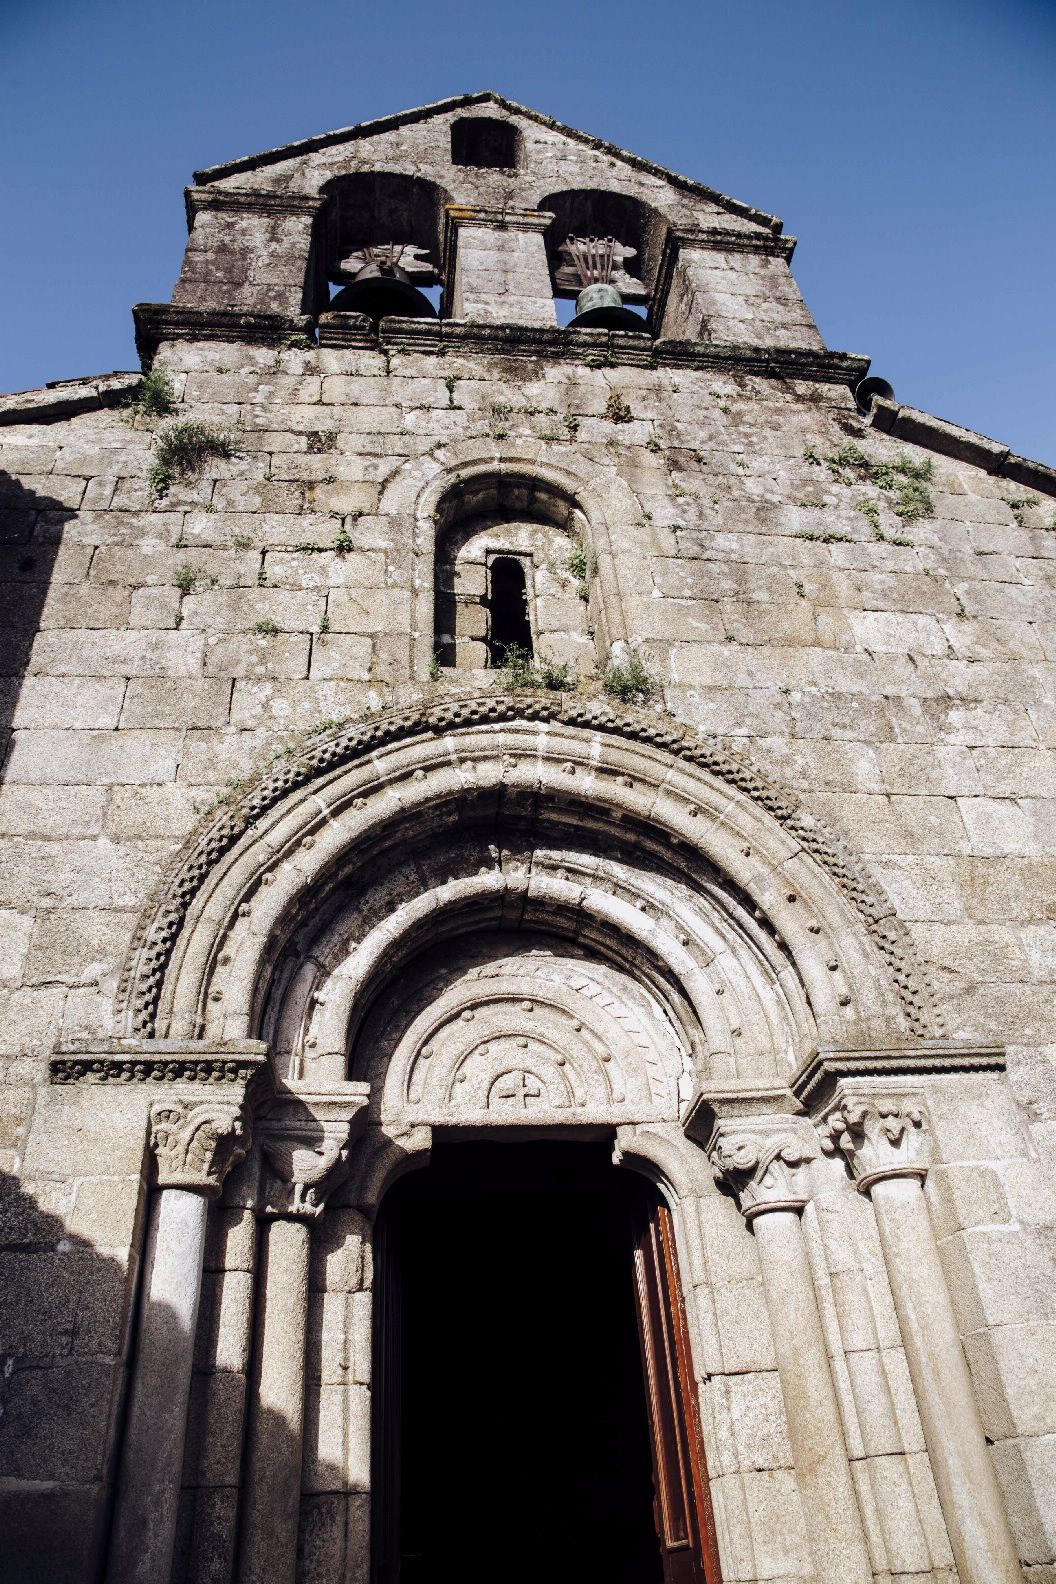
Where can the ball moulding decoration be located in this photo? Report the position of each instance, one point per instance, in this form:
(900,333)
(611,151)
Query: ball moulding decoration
(523,727)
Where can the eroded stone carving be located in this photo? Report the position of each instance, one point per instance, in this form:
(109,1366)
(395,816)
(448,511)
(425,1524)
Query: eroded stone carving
(307,1143)
(514,1033)
(762,1160)
(154,939)
(878,1135)
(196,1145)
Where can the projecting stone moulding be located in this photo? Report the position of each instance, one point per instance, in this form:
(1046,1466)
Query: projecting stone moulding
(195,964)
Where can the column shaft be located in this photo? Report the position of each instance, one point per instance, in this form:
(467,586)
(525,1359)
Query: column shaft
(964,1473)
(276,1433)
(152,1459)
(815,1430)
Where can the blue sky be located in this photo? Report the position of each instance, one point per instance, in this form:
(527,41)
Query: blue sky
(909,145)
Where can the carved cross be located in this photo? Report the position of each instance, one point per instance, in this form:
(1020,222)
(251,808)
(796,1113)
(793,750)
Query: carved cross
(521,1090)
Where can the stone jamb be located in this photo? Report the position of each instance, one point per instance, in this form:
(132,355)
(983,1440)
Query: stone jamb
(870,1107)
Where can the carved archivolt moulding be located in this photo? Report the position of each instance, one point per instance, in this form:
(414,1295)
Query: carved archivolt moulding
(196,1143)
(415,769)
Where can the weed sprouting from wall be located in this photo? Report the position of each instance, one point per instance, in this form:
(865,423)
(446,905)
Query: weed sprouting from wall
(519,670)
(630,681)
(182,450)
(154,395)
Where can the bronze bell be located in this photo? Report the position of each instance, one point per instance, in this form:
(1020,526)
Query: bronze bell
(383,291)
(600,307)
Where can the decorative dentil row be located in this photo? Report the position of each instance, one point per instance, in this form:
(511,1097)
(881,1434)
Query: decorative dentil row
(196,1143)
(763,1160)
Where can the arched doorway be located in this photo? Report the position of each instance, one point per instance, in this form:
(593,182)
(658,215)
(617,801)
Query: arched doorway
(534,1411)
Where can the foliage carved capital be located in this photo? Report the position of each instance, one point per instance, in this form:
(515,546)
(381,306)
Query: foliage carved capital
(195,1145)
(762,1161)
(880,1135)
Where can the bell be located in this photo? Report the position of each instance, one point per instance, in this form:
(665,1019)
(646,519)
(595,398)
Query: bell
(383,291)
(867,389)
(600,307)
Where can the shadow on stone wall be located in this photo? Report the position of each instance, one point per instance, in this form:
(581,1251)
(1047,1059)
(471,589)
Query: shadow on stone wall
(63,1326)
(31,527)
(66,1316)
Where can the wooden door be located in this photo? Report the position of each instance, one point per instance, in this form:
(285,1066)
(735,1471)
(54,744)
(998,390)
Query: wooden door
(681,1500)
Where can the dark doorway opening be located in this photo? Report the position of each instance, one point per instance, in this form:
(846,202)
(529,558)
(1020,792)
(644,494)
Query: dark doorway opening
(511,627)
(512,1427)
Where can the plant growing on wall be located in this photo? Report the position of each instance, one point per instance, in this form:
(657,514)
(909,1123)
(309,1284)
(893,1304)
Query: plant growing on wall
(182,450)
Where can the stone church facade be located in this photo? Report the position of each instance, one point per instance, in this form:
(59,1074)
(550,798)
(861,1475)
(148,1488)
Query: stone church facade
(467,772)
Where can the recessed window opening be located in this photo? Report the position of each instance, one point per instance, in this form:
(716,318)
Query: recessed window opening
(484,142)
(511,625)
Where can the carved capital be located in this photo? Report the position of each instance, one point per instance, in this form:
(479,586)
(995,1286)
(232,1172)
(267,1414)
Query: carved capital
(883,1133)
(196,1144)
(306,1144)
(762,1160)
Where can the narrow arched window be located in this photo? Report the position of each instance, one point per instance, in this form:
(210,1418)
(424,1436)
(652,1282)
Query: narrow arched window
(511,624)
(514,570)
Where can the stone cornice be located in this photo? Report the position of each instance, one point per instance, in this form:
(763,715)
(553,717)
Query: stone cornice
(158,322)
(495,219)
(66,398)
(250,202)
(731,1101)
(149,1061)
(595,348)
(964,445)
(816,1082)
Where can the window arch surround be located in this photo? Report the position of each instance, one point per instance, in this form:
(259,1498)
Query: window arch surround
(510,480)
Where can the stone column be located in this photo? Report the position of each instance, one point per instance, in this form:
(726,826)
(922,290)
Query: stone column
(883,1133)
(194,1146)
(496,268)
(762,1159)
(306,1146)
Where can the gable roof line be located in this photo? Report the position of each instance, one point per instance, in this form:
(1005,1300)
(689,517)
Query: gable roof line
(250,162)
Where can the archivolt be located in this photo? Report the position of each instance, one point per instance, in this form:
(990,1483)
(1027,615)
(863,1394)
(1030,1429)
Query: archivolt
(216,929)
(482,476)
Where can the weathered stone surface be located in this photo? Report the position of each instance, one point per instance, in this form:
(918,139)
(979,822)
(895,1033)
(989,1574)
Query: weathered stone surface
(262,777)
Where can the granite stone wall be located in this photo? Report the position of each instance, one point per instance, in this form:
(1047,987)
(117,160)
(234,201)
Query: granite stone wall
(861,609)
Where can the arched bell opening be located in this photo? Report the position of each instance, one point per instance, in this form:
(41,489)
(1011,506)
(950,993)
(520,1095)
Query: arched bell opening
(530,1343)
(604,250)
(514,571)
(378,246)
